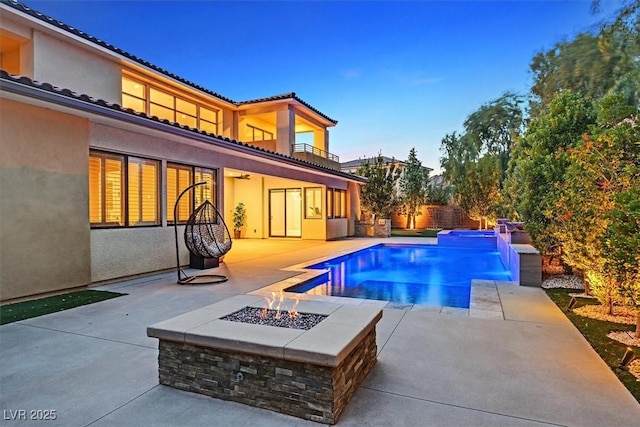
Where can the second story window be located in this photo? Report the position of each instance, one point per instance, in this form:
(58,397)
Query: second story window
(257,134)
(155,101)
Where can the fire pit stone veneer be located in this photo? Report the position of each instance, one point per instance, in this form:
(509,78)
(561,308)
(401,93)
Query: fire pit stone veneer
(311,374)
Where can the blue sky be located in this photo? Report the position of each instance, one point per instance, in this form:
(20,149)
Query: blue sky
(395,74)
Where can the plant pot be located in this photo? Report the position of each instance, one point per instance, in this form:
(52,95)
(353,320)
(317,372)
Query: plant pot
(236,234)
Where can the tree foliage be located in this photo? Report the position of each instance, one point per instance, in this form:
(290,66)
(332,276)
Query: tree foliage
(379,196)
(414,184)
(475,163)
(573,177)
(539,164)
(479,193)
(600,181)
(496,126)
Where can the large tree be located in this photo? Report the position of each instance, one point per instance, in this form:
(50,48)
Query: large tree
(414,183)
(539,164)
(601,179)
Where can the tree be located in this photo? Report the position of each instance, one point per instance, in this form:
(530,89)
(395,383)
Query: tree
(621,241)
(496,126)
(479,194)
(594,64)
(438,195)
(413,186)
(379,196)
(601,179)
(539,163)
(482,153)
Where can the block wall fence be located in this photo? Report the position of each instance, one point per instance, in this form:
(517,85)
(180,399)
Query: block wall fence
(437,216)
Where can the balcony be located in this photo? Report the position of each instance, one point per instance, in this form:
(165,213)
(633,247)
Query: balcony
(315,155)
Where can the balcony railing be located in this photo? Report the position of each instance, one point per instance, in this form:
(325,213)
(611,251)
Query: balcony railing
(306,148)
(315,155)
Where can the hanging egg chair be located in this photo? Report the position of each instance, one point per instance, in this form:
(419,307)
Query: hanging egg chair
(206,236)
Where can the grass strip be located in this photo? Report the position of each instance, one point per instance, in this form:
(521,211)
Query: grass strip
(399,232)
(27,309)
(595,332)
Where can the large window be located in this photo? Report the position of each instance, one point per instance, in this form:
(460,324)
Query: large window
(119,184)
(116,181)
(158,102)
(180,177)
(106,189)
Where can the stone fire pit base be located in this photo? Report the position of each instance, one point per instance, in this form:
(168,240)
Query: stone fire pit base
(308,374)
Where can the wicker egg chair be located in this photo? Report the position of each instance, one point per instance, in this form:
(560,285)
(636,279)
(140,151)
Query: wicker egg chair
(206,236)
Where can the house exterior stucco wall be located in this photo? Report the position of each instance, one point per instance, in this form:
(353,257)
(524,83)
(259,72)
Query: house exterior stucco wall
(66,65)
(43,201)
(121,252)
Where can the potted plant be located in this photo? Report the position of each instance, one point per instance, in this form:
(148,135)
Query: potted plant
(239,216)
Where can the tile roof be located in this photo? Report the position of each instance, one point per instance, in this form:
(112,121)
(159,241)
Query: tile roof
(26,82)
(371,160)
(290,95)
(61,25)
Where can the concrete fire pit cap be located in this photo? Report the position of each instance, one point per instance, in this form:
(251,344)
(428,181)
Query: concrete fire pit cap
(327,343)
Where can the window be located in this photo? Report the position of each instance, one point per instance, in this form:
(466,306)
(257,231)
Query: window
(336,203)
(106,189)
(148,99)
(115,180)
(134,95)
(339,204)
(143,183)
(161,104)
(208,120)
(205,192)
(313,202)
(257,134)
(178,178)
(186,113)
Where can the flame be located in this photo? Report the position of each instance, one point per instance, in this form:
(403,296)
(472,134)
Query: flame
(293,313)
(279,298)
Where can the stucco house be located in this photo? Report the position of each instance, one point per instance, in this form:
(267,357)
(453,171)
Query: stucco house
(97,143)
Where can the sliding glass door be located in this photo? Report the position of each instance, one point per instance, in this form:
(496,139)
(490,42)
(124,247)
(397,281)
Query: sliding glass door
(285,212)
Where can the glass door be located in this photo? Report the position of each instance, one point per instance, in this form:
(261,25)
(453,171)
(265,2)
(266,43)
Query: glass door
(285,212)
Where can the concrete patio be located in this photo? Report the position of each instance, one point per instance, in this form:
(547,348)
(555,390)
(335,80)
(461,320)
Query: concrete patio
(94,365)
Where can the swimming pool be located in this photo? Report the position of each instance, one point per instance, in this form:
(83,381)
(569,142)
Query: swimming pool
(412,274)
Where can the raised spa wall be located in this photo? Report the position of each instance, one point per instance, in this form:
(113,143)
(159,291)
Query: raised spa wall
(523,261)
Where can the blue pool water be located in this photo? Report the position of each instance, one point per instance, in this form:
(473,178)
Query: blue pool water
(413,274)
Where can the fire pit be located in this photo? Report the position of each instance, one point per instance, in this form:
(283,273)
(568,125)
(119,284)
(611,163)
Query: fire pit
(226,351)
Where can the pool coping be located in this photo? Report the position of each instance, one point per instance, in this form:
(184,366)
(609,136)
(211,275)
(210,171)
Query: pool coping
(484,301)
